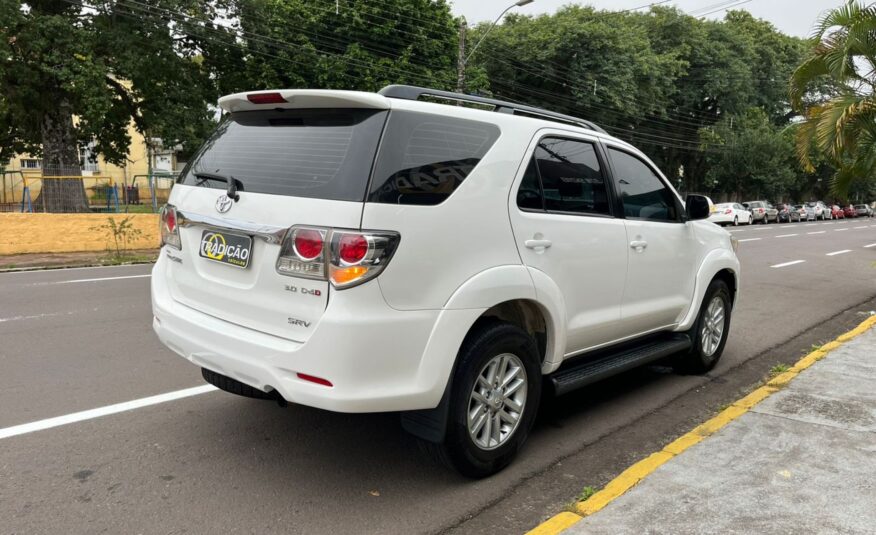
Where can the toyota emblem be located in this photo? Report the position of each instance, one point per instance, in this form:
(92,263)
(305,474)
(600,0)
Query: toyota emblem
(223,203)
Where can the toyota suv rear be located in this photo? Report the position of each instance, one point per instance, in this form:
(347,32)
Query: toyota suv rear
(363,252)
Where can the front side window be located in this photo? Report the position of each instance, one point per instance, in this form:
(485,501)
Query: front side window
(567,174)
(425,157)
(643,194)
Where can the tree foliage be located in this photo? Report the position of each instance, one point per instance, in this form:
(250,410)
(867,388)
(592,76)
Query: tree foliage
(363,45)
(834,90)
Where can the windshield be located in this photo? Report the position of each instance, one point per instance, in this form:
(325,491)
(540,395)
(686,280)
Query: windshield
(324,154)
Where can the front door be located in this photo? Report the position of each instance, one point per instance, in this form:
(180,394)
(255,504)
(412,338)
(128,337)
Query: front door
(564,226)
(662,265)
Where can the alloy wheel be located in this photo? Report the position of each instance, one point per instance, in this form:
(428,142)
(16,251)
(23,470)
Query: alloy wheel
(497,401)
(713,326)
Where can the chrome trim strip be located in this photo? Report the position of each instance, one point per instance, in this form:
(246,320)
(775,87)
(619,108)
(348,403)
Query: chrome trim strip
(269,233)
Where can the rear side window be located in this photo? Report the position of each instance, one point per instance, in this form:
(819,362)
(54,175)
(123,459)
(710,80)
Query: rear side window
(322,154)
(425,157)
(643,194)
(568,176)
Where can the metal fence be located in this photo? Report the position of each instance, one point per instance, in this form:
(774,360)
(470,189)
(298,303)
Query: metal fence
(66,190)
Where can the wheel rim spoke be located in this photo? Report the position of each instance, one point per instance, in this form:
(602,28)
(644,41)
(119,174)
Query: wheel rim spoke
(497,401)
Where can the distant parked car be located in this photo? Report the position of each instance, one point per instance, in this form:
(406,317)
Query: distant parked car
(772,214)
(730,213)
(758,210)
(784,212)
(805,212)
(850,211)
(837,213)
(821,210)
(863,210)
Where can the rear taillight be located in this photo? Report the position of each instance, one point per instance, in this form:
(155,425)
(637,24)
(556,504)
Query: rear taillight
(302,253)
(343,257)
(169,228)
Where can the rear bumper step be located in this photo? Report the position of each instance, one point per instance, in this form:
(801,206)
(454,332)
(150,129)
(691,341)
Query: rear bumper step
(589,371)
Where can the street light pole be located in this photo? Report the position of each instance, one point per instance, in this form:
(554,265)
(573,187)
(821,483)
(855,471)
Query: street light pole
(463,58)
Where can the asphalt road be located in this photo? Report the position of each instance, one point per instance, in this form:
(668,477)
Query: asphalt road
(74,340)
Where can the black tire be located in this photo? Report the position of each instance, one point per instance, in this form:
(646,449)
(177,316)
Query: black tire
(736,221)
(459,451)
(696,361)
(235,387)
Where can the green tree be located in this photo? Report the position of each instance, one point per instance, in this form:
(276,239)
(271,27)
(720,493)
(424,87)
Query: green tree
(74,73)
(756,158)
(363,45)
(834,91)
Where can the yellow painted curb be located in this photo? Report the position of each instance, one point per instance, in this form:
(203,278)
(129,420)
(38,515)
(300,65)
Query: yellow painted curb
(555,524)
(639,471)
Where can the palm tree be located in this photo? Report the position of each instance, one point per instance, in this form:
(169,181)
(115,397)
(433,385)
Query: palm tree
(835,91)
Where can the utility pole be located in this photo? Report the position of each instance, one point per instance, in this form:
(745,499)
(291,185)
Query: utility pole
(460,58)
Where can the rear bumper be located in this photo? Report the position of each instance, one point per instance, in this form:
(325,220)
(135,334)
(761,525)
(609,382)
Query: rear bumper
(377,358)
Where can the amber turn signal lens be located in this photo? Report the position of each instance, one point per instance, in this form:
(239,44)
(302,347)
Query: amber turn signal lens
(344,275)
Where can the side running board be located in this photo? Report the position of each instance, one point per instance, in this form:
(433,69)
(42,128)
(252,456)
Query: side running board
(590,371)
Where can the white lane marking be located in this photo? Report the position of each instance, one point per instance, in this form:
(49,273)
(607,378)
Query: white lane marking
(839,252)
(46,315)
(791,263)
(786,226)
(101,279)
(819,232)
(748,239)
(865,226)
(761,228)
(809,225)
(784,235)
(871,245)
(60,269)
(839,229)
(90,414)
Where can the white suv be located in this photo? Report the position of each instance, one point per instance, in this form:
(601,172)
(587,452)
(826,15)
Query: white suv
(363,252)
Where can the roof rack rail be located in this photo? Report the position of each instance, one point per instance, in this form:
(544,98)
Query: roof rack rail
(410,92)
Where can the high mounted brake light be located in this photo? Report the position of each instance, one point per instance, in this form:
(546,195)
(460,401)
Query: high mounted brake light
(168,227)
(266,98)
(343,257)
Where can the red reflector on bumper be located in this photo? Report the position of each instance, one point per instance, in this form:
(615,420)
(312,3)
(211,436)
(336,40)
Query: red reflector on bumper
(317,380)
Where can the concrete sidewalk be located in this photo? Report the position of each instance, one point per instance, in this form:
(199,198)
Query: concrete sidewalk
(801,461)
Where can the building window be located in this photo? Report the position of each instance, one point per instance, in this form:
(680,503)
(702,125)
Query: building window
(30,163)
(87,158)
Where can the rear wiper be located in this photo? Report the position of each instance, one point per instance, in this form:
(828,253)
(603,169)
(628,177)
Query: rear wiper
(233,183)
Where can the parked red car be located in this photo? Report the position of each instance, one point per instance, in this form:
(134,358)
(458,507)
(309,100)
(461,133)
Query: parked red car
(837,213)
(850,211)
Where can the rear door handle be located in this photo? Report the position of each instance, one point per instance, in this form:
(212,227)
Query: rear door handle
(638,245)
(538,244)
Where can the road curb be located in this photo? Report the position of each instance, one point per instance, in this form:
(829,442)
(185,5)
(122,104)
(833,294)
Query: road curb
(640,470)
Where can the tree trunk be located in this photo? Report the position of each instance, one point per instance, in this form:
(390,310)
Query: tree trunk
(61,159)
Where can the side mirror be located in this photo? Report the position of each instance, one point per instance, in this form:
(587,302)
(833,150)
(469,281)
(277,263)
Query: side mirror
(696,207)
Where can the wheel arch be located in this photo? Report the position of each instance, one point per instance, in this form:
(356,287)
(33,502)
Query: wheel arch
(721,264)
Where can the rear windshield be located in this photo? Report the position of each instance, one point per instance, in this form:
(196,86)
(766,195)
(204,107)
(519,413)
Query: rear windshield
(324,154)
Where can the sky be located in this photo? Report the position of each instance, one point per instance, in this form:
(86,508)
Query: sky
(794,17)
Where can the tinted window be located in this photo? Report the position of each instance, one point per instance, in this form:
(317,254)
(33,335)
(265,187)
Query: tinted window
(643,194)
(424,157)
(571,177)
(323,154)
(529,195)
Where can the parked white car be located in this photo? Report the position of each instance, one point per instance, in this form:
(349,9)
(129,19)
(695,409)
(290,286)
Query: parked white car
(362,252)
(730,213)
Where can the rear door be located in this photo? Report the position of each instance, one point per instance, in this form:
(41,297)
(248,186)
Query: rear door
(564,225)
(663,248)
(291,167)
